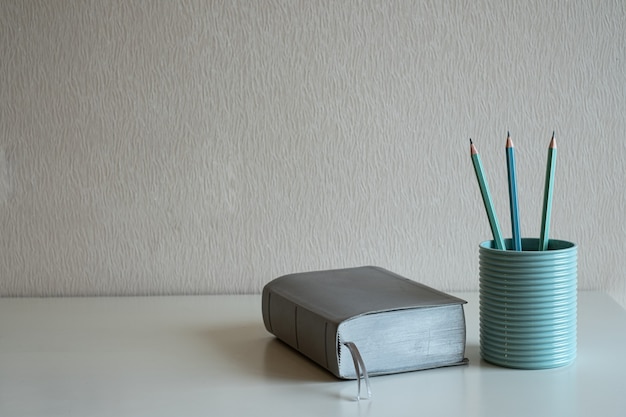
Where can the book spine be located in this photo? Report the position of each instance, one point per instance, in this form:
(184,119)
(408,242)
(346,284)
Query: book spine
(307,332)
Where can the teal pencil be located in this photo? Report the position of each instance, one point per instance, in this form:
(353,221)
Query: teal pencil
(547,195)
(510,164)
(484,190)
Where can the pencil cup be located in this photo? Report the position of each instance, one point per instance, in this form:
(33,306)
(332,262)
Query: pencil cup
(528,304)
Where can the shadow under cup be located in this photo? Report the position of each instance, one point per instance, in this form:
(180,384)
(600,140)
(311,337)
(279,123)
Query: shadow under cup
(528,304)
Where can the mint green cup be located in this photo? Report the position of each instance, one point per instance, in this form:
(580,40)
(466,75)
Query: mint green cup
(528,304)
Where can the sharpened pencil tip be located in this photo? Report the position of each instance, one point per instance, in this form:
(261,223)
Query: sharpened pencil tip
(509,142)
(553,133)
(473,150)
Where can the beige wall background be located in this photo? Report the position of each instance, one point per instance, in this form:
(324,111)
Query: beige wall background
(196,147)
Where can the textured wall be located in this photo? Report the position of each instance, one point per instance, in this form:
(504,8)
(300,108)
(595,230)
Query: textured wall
(157,147)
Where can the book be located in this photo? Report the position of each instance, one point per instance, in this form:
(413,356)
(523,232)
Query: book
(397,324)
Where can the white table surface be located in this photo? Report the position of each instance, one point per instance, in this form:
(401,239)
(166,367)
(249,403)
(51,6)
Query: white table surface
(211,356)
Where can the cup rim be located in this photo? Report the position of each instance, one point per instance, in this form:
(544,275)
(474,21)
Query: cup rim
(532,245)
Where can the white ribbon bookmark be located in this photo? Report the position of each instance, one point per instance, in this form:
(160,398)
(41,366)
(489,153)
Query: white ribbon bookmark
(362,373)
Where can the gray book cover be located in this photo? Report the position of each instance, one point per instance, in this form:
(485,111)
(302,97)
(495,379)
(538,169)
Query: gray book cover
(305,310)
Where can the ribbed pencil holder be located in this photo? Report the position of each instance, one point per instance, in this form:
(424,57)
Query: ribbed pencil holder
(528,304)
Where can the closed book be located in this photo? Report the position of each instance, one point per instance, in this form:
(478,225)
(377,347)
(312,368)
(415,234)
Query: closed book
(397,324)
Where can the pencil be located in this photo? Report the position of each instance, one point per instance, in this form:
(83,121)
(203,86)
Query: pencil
(510,164)
(484,190)
(547,195)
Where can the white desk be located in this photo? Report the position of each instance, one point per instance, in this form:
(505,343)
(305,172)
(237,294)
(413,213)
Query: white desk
(211,356)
